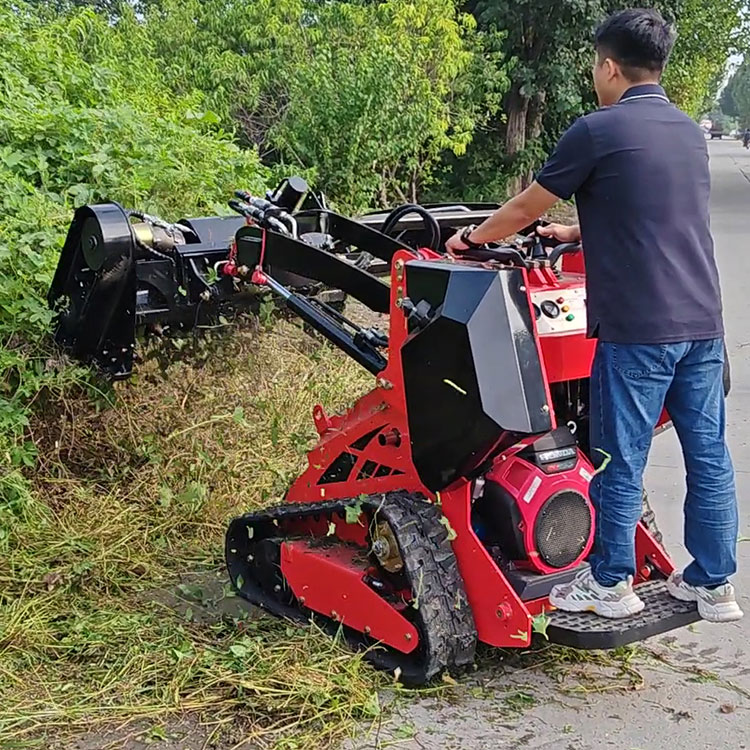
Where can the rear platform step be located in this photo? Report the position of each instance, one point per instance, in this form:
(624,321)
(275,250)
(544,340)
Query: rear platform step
(586,630)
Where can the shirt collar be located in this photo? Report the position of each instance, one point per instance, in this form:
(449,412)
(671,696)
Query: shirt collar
(651,90)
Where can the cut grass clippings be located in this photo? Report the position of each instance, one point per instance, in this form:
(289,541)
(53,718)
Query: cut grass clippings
(132,494)
(127,498)
(573,671)
(119,661)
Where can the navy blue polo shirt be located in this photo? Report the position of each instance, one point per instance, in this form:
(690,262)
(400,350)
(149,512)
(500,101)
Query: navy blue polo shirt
(639,173)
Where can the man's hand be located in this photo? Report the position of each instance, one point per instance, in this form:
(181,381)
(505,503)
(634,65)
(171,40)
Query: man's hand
(455,245)
(510,218)
(562,232)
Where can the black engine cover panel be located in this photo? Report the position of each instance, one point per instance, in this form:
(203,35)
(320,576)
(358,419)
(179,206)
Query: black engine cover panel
(472,375)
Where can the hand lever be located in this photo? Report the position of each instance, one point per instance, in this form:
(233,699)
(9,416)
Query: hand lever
(537,249)
(500,254)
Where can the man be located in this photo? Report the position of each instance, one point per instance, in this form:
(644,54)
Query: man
(638,168)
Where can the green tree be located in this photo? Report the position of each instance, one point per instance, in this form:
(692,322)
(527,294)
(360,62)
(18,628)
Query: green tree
(547,47)
(374,100)
(708,33)
(735,99)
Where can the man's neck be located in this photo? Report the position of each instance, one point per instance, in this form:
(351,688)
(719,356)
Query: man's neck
(628,85)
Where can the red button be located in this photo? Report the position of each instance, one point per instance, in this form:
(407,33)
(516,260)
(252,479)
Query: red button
(560,300)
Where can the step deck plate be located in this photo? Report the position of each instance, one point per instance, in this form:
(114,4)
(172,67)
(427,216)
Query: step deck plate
(661,614)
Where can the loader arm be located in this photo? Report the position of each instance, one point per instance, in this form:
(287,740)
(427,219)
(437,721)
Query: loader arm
(273,252)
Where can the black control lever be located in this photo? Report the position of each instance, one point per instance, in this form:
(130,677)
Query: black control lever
(557,252)
(537,249)
(501,255)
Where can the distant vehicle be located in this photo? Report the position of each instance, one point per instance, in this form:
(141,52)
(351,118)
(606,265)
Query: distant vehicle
(717,131)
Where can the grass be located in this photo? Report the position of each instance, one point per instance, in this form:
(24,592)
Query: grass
(127,498)
(133,491)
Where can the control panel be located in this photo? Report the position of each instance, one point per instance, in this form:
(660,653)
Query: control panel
(560,312)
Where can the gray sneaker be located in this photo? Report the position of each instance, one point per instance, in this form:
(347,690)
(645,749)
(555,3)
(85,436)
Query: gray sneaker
(714,605)
(584,594)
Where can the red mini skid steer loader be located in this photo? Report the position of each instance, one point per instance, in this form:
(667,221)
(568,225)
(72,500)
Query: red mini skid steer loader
(442,507)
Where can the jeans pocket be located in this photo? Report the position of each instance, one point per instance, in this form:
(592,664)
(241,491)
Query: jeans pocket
(638,360)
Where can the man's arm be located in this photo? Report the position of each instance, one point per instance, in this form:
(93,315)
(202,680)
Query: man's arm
(563,174)
(510,218)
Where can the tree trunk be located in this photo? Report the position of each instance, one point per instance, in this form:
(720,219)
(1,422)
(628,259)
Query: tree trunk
(517,109)
(536,116)
(413,184)
(534,122)
(383,189)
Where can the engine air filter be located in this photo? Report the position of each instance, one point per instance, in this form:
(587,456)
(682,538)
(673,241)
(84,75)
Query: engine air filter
(562,528)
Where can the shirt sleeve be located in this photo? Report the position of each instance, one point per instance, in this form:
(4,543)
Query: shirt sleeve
(571,162)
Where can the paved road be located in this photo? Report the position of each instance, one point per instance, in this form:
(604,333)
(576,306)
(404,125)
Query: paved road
(677,706)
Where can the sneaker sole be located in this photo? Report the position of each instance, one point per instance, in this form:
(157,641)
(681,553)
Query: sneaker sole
(724,612)
(626,607)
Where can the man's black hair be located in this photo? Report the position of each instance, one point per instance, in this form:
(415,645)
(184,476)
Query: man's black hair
(639,39)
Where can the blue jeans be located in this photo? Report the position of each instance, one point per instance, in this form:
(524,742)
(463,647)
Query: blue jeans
(630,384)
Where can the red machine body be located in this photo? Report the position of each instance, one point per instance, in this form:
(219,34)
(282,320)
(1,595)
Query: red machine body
(517,514)
(441,508)
(366,452)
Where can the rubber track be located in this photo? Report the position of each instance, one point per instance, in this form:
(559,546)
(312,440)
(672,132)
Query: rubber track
(447,624)
(441,614)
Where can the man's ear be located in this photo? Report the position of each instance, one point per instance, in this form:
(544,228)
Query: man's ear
(611,68)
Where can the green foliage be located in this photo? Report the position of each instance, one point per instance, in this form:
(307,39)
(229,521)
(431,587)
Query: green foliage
(368,96)
(224,48)
(707,34)
(547,48)
(735,99)
(85,116)
(550,44)
(383,109)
